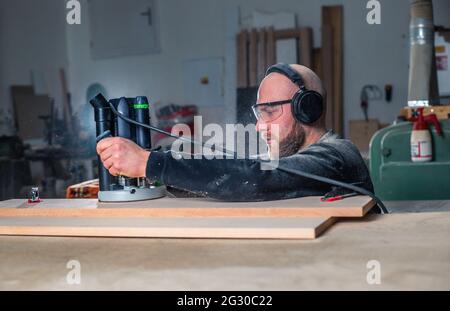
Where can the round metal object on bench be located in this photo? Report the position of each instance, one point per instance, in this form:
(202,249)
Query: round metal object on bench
(132,194)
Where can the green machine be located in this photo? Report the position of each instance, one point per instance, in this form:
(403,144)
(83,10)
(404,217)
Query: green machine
(396,177)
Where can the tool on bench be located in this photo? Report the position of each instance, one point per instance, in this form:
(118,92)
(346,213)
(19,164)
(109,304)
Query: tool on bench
(122,188)
(33,196)
(339,197)
(101,118)
(339,193)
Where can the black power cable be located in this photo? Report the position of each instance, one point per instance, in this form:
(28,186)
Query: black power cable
(382,207)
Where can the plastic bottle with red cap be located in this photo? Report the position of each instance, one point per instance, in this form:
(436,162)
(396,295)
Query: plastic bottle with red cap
(421,142)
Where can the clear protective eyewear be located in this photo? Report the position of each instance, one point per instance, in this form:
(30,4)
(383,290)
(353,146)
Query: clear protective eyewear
(269,111)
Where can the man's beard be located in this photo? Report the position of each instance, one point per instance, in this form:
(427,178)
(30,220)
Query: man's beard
(293,142)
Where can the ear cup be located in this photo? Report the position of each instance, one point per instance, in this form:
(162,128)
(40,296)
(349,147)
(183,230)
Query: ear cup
(307,106)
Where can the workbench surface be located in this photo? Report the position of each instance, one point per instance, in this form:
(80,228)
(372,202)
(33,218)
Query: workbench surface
(413,251)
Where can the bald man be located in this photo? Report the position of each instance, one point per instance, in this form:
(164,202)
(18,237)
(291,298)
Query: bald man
(291,97)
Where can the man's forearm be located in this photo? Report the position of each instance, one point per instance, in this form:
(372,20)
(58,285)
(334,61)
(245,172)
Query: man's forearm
(229,179)
(225,179)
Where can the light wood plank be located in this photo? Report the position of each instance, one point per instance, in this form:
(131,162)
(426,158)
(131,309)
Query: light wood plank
(289,33)
(262,66)
(305,47)
(253,58)
(67,109)
(242,69)
(327,73)
(171,207)
(271,47)
(317,61)
(332,16)
(241,228)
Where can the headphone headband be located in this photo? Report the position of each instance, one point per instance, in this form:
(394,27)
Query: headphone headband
(288,72)
(307,105)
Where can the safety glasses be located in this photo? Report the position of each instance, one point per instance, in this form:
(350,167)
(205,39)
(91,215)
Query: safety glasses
(269,111)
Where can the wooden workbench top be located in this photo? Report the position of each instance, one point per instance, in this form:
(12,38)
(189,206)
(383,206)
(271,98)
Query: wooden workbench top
(356,206)
(413,251)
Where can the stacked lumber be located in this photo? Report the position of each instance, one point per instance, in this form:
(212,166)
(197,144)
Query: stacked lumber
(256,51)
(85,190)
(301,218)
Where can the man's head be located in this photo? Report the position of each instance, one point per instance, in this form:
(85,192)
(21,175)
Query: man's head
(292,135)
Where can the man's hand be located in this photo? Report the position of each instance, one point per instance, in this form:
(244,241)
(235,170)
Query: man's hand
(123,157)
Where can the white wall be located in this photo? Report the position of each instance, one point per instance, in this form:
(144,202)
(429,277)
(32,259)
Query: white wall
(373,54)
(33,34)
(187,32)
(32,38)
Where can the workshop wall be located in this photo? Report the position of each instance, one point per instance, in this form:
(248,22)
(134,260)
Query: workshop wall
(32,49)
(34,35)
(188,30)
(197,29)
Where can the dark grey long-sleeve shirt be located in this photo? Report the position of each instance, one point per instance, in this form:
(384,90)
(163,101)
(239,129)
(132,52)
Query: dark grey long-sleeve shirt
(244,180)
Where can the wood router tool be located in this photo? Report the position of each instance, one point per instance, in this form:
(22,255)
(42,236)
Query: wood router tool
(122,188)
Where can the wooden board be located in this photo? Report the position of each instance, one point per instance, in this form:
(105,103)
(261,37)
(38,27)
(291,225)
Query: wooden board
(327,73)
(253,58)
(333,16)
(85,190)
(304,37)
(305,47)
(361,132)
(261,228)
(317,61)
(171,207)
(271,47)
(262,66)
(242,64)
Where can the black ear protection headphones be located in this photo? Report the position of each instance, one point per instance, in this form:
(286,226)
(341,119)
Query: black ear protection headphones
(307,105)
